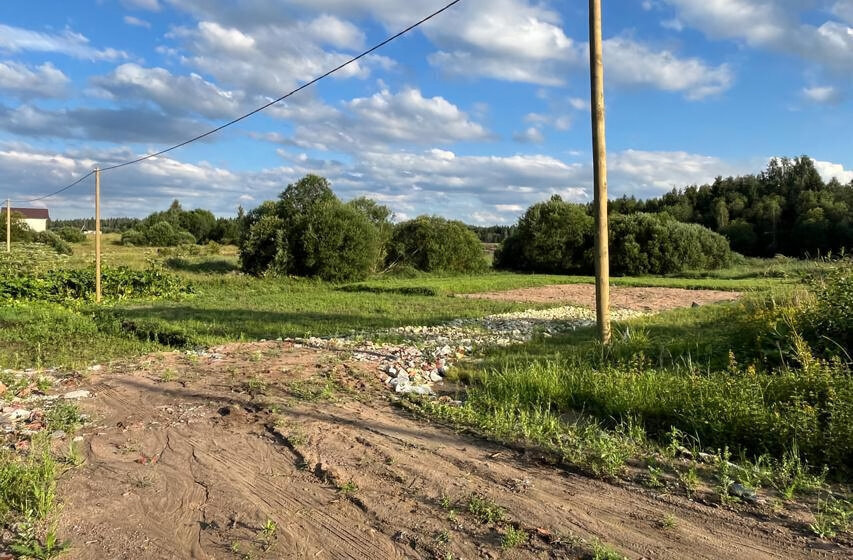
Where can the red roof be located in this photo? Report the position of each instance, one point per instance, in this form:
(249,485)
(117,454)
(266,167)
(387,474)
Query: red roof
(33,213)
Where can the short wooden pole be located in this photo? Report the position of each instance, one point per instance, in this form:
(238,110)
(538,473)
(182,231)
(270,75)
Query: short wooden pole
(8,226)
(97,235)
(599,159)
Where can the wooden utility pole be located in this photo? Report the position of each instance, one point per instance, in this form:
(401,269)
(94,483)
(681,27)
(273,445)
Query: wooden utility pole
(599,164)
(8,226)
(97,234)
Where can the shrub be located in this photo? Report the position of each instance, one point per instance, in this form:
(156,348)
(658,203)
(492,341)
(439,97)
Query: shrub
(433,244)
(552,236)
(160,234)
(53,240)
(20,230)
(309,232)
(63,284)
(70,234)
(337,243)
(657,244)
(829,324)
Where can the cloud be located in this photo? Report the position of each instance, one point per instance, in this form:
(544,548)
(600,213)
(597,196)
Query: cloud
(375,122)
(844,10)
(17,39)
(530,135)
(150,5)
(272,59)
(822,94)
(774,25)
(828,170)
(136,22)
(108,125)
(32,81)
(630,63)
(651,173)
(174,94)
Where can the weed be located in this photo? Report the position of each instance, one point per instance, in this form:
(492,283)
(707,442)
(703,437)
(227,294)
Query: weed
(445,502)
(348,488)
(256,386)
(832,517)
(669,521)
(653,479)
(28,485)
(485,510)
(168,375)
(27,545)
(64,416)
(602,551)
(268,533)
(443,536)
(314,389)
(513,538)
(689,480)
(724,479)
(74,457)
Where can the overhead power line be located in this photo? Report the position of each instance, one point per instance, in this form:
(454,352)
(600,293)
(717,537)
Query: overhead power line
(259,109)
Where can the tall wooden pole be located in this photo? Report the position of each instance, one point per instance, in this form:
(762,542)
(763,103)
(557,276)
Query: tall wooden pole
(599,160)
(97,235)
(8,226)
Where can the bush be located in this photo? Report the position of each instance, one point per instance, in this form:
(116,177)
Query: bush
(657,244)
(64,284)
(53,240)
(309,232)
(552,236)
(433,244)
(70,234)
(829,324)
(160,234)
(20,230)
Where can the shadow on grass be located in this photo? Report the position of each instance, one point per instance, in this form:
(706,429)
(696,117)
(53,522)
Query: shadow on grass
(207,266)
(254,324)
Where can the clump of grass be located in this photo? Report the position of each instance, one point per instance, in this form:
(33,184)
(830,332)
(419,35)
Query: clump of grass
(513,538)
(65,415)
(268,533)
(28,484)
(348,488)
(602,551)
(256,386)
(485,510)
(314,389)
(28,545)
(832,517)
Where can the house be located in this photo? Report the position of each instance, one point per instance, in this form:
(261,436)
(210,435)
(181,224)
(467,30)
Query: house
(35,218)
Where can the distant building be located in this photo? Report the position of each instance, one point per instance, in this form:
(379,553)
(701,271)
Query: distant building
(35,218)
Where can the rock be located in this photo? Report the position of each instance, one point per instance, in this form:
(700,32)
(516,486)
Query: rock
(434,377)
(740,491)
(695,304)
(2,388)
(79,394)
(13,416)
(96,367)
(58,434)
(77,439)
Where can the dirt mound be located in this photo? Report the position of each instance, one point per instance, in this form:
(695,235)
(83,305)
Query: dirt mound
(270,451)
(638,299)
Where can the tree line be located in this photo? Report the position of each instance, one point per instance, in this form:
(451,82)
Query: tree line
(786,209)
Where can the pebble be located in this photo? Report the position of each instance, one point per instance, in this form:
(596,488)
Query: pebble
(79,394)
(430,351)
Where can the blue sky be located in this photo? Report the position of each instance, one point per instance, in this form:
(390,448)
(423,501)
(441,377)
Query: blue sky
(478,114)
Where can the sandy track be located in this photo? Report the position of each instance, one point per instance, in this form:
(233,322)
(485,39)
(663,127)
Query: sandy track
(639,299)
(189,470)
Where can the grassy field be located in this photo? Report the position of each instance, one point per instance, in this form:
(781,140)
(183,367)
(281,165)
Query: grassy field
(229,306)
(735,380)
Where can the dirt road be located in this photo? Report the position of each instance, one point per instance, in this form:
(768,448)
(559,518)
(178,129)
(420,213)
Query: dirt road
(624,297)
(193,457)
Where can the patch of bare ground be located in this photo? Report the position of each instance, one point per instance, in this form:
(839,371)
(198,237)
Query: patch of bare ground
(638,299)
(269,451)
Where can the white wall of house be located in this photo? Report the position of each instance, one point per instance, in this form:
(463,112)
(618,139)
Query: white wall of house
(36,225)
